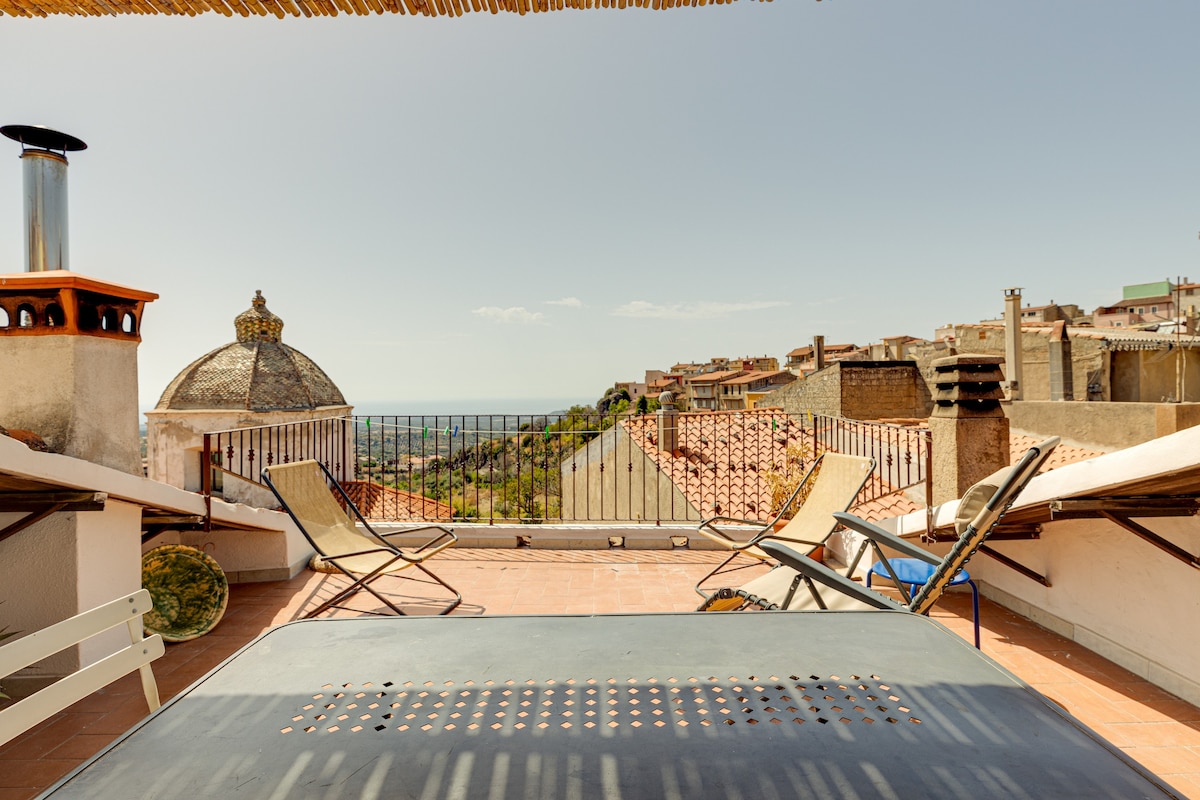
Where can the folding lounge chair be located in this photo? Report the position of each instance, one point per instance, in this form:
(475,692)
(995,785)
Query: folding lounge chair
(363,555)
(802,583)
(829,486)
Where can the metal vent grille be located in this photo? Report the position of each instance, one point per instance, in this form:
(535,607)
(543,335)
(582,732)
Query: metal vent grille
(599,704)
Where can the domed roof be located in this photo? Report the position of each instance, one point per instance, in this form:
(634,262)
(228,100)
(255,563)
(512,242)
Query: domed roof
(258,372)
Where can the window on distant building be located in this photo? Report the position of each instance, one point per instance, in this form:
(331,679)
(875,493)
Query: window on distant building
(1153,309)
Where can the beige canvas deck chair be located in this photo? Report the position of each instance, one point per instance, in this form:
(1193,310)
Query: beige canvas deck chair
(830,485)
(804,584)
(45,703)
(305,488)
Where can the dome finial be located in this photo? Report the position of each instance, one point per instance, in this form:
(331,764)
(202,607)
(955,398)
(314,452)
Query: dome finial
(257,324)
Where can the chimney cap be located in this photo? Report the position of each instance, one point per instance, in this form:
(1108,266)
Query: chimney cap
(43,137)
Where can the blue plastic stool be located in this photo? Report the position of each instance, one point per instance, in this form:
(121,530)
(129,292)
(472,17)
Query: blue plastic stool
(915,573)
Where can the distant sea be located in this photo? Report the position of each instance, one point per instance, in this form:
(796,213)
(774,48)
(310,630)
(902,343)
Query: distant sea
(445,408)
(470,407)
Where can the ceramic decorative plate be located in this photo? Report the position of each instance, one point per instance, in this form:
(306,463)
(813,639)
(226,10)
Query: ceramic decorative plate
(189,591)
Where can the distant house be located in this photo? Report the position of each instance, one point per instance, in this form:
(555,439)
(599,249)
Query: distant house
(1143,305)
(1109,364)
(1051,312)
(633,388)
(757,363)
(744,391)
(802,360)
(701,390)
(854,389)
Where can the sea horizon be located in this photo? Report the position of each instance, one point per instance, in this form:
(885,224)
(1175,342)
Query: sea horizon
(468,407)
(460,407)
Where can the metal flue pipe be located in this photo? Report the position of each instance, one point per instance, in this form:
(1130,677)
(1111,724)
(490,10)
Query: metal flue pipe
(44,168)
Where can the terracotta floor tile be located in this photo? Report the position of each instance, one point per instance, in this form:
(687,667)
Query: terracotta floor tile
(34,772)
(1186,785)
(25,793)
(1167,761)
(38,743)
(1157,734)
(81,746)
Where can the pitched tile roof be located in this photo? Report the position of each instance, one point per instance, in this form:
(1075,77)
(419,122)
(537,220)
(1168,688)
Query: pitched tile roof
(713,377)
(724,459)
(1063,454)
(757,375)
(387,503)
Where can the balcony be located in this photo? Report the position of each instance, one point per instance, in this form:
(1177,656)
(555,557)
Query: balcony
(1148,724)
(567,467)
(584,553)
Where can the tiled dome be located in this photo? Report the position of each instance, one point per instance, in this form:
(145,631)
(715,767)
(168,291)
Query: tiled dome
(258,372)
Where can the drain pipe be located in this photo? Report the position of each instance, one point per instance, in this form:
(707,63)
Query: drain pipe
(1012,342)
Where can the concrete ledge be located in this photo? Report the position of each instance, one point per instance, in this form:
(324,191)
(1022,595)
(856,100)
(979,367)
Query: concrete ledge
(271,574)
(577,537)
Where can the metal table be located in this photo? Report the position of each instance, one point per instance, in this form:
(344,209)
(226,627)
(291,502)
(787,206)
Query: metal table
(749,705)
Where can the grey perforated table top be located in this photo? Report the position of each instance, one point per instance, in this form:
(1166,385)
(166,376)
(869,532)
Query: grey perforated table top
(733,705)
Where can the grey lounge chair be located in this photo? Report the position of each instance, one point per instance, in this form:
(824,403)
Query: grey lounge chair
(829,486)
(802,583)
(361,554)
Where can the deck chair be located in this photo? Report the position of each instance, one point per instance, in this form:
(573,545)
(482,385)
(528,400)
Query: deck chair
(305,489)
(804,584)
(45,703)
(830,485)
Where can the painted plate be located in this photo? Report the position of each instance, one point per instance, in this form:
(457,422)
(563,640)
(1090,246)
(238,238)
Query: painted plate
(189,591)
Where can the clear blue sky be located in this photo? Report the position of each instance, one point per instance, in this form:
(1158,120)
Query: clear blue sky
(534,207)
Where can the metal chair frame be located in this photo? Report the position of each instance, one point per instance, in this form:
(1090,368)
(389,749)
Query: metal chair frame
(363,581)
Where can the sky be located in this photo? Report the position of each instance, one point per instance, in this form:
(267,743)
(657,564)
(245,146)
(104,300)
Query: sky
(503,210)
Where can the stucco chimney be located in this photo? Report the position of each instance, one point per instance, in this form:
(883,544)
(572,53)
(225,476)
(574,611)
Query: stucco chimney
(68,343)
(818,352)
(668,423)
(1012,341)
(968,425)
(1062,381)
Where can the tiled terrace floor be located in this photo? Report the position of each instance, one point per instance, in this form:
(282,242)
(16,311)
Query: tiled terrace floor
(1150,725)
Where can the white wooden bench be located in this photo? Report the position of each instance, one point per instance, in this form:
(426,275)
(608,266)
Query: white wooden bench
(128,610)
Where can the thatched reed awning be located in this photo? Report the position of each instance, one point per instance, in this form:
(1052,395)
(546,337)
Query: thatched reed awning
(322,8)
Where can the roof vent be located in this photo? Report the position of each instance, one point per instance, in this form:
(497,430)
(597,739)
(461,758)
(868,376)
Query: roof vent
(44,164)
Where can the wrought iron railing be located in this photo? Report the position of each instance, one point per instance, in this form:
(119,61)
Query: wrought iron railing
(563,467)
(903,454)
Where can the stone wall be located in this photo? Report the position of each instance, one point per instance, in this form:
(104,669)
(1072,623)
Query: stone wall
(858,390)
(1096,374)
(1102,426)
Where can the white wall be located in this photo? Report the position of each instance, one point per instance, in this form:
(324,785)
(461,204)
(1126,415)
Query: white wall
(66,564)
(108,553)
(1112,592)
